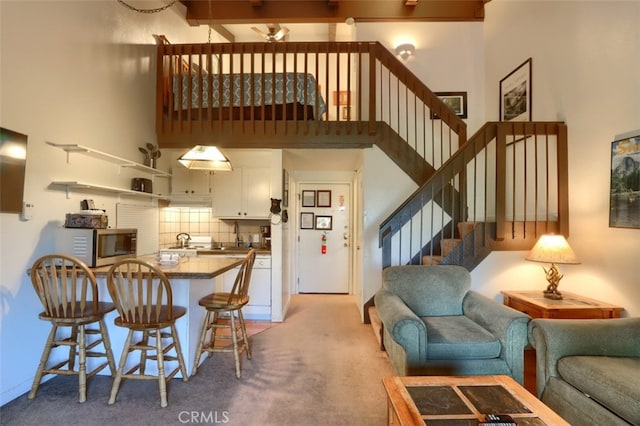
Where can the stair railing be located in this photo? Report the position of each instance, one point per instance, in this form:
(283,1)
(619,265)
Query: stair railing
(508,183)
(356,90)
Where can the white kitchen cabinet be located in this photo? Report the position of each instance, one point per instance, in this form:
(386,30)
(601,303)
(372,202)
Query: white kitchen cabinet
(185,182)
(243,193)
(259,306)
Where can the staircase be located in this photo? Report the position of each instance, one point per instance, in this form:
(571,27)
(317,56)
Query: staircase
(497,190)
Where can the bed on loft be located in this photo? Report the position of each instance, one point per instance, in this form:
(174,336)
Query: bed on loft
(195,93)
(252,90)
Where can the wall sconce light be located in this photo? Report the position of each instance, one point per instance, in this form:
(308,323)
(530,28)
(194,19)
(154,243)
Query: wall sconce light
(405,50)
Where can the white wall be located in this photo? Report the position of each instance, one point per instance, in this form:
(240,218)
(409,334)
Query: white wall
(383,193)
(71,72)
(586,57)
(449,57)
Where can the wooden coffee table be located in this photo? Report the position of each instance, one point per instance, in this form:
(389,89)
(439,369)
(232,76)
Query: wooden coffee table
(462,400)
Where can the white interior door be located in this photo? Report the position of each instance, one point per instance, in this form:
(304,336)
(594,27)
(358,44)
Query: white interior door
(325,211)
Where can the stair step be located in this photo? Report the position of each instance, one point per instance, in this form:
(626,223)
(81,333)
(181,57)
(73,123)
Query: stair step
(465,228)
(376,324)
(431,260)
(447,245)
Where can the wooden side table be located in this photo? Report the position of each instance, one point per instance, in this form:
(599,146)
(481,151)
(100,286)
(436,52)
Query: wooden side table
(572,306)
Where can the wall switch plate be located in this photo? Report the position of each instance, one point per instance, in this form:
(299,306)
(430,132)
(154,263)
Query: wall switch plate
(27,211)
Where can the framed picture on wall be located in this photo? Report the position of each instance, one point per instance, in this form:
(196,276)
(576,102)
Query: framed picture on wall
(323,198)
(308,198)
(515,94)
(324,222)
(457,101)
(624,194)
(306,220)
(285,188)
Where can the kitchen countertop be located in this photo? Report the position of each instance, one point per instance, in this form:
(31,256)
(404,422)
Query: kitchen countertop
(187,267)
(233,250)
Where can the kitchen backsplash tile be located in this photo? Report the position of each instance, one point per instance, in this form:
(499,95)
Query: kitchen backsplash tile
(198,221)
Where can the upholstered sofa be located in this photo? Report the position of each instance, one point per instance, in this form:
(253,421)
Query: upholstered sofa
(588,371)
(433,324)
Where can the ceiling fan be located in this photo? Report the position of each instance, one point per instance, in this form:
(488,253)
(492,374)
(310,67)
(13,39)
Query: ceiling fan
(275,33)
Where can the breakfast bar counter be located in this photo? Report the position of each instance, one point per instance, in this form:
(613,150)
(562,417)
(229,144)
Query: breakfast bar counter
(191,279)
(188,268)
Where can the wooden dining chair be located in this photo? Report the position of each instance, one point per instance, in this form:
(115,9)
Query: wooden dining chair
(68,292)
(143,298)
(222,304)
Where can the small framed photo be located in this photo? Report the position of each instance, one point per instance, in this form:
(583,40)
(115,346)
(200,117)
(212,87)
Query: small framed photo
(306,220)
(457,101)
(285,188)
(515,94)
(324,222)
(323,198)
(308,198)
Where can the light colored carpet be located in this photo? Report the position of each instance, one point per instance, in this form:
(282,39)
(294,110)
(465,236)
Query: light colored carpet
(321,366)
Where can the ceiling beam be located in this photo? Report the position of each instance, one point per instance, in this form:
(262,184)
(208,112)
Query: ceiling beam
(220,29)
(314,11)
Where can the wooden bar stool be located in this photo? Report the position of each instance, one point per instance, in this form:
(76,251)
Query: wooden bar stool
(68,291)
(143,297)
(230,303)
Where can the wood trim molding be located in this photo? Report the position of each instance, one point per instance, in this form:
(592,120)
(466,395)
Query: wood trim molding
(313,11)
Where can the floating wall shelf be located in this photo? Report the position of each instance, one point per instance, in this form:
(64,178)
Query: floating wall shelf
(83,186)
(121,162)
(118,161)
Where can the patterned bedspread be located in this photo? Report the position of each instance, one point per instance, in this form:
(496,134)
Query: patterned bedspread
(284,91)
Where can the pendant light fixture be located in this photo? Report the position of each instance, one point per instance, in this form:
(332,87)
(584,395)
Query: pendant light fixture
(202,157)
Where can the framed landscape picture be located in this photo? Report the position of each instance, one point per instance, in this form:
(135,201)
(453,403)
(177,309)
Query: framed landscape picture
(515,94)
(457,101)
(624,196)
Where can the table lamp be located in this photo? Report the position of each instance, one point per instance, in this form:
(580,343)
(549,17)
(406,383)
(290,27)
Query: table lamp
(552,249)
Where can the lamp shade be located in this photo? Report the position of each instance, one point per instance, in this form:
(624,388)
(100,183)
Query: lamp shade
(552,248)
(202,157)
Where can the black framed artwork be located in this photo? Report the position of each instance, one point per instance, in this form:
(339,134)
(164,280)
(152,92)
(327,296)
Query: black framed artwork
(457,101)
(306,220)
(308,198)
(515,94)
(324,222)
(323,198)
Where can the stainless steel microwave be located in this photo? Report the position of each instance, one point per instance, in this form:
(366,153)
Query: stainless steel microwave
(97,247)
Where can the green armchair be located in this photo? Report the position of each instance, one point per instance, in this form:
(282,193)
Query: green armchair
(433,324)
(588,371)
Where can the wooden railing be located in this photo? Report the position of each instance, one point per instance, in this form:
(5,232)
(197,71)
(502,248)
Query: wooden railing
(342,93)
(355,94)
(508,183)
